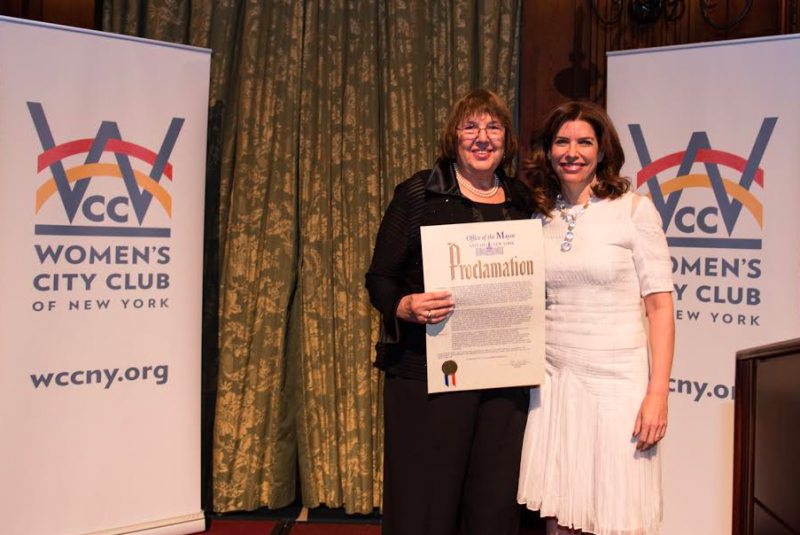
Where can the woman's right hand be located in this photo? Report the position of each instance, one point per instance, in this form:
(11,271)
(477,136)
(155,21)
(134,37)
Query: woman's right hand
(428,307)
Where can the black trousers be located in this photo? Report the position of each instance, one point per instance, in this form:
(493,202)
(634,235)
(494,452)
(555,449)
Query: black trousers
(451,456)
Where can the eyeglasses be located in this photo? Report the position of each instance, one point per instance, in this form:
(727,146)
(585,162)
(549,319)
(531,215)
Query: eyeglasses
(471,131)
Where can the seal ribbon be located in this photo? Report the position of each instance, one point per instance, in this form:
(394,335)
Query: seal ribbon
(449,368)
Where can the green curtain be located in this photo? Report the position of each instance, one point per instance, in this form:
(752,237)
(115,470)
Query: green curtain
(318,110)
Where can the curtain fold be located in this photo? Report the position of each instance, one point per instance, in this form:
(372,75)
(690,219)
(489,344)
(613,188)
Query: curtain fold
(254,440)
(321,108)
(338,175)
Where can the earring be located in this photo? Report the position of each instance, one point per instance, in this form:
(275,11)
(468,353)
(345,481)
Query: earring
(600,156)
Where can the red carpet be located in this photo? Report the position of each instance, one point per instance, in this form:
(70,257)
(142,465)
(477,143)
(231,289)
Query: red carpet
(335,529)
(266,527)
(241,527)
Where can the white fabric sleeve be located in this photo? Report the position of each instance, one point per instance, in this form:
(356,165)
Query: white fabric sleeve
(650,252)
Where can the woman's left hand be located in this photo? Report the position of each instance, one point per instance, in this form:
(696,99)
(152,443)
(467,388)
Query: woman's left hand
(651,422)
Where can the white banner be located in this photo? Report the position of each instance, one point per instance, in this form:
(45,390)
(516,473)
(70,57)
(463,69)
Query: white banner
(102,172)
(711,132)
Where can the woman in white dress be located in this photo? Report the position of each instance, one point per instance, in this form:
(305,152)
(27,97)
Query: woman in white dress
(590,459)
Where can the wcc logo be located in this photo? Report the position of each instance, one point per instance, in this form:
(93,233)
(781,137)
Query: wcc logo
(705,226)
(104,213)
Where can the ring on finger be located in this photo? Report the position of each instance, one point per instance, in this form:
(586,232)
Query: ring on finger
(429,316)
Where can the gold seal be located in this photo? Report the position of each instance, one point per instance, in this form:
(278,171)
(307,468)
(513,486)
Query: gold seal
(449,367)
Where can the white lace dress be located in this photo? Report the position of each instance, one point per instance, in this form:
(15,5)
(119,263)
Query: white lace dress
(579,460)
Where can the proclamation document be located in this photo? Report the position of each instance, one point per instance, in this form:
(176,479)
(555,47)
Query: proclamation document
(495,336)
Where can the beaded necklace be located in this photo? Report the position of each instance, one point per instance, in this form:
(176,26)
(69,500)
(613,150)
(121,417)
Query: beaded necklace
(570,218)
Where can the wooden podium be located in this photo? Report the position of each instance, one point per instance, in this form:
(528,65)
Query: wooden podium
(766,479)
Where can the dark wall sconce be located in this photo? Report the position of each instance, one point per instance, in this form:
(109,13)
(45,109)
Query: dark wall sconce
(650,11)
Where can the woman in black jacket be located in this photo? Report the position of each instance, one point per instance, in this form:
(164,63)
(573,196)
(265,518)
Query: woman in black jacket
(456,454)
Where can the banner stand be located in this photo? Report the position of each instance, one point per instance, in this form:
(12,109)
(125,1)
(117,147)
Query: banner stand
(710,134)
(102,166)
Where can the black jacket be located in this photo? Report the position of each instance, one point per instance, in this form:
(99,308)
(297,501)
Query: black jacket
(430,197)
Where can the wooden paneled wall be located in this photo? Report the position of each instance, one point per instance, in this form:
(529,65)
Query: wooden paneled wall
(78,13)
(564,45)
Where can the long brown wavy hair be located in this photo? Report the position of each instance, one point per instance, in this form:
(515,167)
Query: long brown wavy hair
(540,173)
(474,103)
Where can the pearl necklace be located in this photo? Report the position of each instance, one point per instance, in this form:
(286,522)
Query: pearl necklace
(570,218)
(472,189)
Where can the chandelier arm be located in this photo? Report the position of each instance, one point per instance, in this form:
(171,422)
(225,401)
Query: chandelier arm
(705,5)
(615,18)
(671,14)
